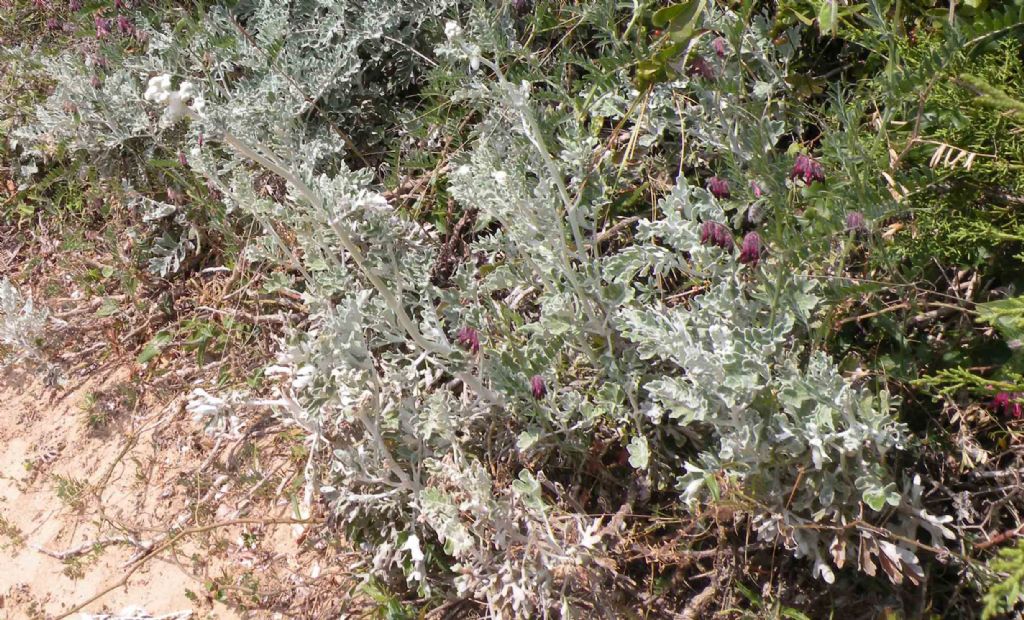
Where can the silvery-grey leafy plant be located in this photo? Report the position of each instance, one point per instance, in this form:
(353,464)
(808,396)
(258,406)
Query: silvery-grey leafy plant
(22,324)
(442,451)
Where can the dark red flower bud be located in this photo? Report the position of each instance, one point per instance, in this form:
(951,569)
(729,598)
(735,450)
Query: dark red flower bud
(538,387)
(855,222)
(721,46)
(807,170)
(719,187)
(468,338)
(700,68)
(752,248)
(716,233)
(124,25)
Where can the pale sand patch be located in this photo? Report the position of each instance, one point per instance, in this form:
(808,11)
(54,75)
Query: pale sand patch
(43,436)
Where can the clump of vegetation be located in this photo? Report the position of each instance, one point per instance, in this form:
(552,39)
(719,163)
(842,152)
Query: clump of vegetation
(567,301)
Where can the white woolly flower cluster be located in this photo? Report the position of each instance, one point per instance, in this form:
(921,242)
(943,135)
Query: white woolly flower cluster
(453,32)
(159,91)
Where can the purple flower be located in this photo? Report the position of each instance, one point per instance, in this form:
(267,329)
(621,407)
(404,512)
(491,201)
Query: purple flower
(538,387)
(53,23)
(1008,404)
(807,169)
(758,192)
(700,68)
(468,338)
(855,222)
(715,233)
(721,46)
(752,248)
(182,160)
(718,187)
(124,25)
(102,27)
(74,5)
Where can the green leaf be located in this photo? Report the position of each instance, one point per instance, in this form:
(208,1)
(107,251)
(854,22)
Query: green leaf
(528,489)
(109,308)
(639,452)
(677,14)
(527,439)
(155,346)
(875,498)
(713,488)
(828,17)
(793,614)
(1007,316)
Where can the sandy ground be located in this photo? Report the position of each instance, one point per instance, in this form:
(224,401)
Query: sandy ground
(46,447)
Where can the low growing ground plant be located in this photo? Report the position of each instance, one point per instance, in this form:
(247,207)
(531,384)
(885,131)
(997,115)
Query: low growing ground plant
(607,294)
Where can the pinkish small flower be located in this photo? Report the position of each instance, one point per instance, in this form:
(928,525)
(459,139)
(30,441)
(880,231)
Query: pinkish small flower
(102,27)
(758,192)
(538,387)
(182,160)
(95,81)
(855,222)
(719,187)
(53,23)
(721,46)
(214,192)
(74,5)
(468,338)
(124,25)
(807,169)
(752,248)
(717,234)
(1008,404)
